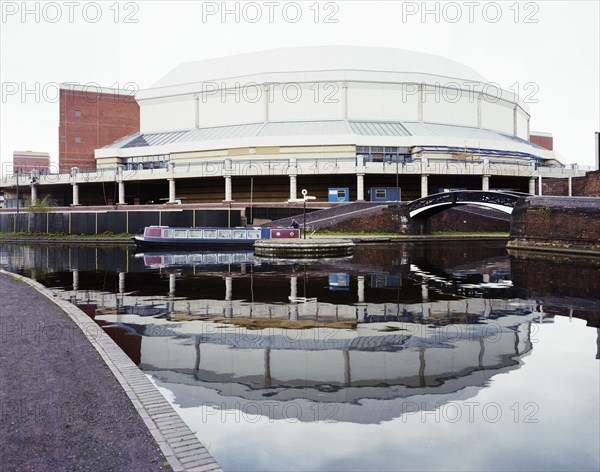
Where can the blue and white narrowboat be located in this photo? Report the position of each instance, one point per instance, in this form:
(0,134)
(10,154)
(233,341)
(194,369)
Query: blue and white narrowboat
(165,237)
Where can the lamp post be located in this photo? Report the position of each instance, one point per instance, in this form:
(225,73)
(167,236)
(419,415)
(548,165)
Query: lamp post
(304,217)
(303,200)
(17,191)
(305,197)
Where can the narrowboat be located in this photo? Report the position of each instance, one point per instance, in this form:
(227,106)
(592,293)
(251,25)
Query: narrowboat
(165,237)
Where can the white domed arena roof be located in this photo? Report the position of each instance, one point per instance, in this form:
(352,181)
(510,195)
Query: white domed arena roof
(335,61)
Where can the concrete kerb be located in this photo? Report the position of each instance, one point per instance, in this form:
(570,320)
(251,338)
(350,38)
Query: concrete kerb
(135,384)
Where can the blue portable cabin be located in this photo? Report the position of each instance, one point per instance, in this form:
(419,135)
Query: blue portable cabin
(339,282)
(385,194)
(338,195)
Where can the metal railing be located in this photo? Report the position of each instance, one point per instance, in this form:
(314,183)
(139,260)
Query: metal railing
(299,166)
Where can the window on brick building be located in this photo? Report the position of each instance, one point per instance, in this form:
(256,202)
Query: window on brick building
(77,113)
(78,139)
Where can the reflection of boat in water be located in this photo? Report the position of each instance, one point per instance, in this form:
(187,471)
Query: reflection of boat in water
(163,260)
(164,237)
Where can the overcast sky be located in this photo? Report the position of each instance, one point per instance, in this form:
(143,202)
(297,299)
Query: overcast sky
(547,51)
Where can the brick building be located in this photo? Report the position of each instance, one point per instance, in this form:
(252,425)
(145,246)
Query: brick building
(90,118)
(544,140)
(26,161)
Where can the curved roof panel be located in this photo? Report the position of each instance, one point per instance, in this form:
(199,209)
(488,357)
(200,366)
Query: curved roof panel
(317,58)
(339,128)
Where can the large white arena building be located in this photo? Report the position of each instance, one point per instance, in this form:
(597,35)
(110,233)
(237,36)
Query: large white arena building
(261,126)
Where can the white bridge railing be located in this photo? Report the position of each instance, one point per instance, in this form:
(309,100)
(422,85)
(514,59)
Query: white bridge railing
(283,167)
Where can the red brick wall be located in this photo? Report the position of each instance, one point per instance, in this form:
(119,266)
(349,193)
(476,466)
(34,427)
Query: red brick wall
(543,141)
(27,164)
(103,119)
(588,186)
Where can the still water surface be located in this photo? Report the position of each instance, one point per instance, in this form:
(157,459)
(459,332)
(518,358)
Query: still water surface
(403,357)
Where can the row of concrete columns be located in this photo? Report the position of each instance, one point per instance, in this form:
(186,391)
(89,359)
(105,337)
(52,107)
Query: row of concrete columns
(360,187)
(360,192)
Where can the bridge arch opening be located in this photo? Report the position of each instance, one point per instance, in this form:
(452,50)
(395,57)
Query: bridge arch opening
(431,204)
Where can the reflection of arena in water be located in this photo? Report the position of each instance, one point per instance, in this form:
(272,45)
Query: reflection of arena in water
(360,376)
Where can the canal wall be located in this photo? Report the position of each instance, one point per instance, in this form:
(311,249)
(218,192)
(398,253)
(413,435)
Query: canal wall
(558,224)
(130,221)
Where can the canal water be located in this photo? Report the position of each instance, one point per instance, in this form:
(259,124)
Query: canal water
(431,356)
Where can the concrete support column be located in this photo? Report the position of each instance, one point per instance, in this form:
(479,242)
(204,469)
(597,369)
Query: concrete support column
(347,368)
(293,173)
(424,185)
(424,292)
(294,313)
(485,183)
(34,196)
(532,186)
(227,172)
(171,301)
(122,283)
(121,289)
(75,279)
(570,187)
(360,187)
(172,284)
(293,186)
(229,297)
(361,288)
(228,288)
(75,194)
(171,190)
(540,185)
(121,200)
(293,287)
(425,308)
(228,192)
